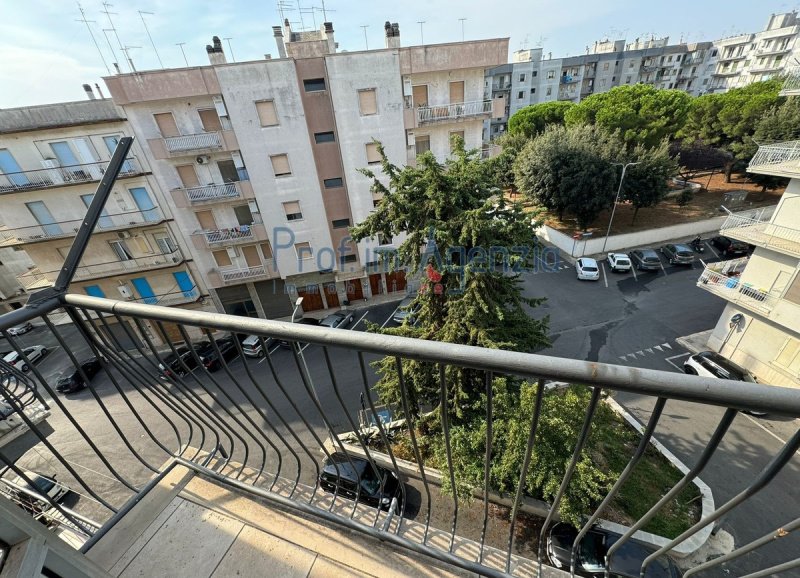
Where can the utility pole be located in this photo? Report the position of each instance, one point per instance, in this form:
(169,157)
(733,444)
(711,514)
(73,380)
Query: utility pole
(230,47)
(146,29)
(616,200)
(184,53)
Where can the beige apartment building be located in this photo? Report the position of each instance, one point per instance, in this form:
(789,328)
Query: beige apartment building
(261,159)
(52,158)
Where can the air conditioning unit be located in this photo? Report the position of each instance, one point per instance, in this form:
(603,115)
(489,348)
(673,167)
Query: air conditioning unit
(124,235)
(203,159)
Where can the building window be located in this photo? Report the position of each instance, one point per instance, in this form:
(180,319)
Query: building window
(613,79)
(373,156)
(423,144)
(321,137)
(340,223)
(627,80)
(522,78)
(280,165)
(630,64)
(535,73)
(121,250)
(533,91)
(714,53)
(267,115)
(209,119)
(670,85)
(165,244)
(521,95)
(368,102)
(314,84)
(789,356)
(551,75)
(222,258)
(602,82)
(94,291)
(605,66)
(549,91)
(669,59)
(705,81)
(292,210)
(266,251)
(333,183)
(303,250)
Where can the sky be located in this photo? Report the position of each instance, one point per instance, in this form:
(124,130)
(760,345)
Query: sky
(47,54)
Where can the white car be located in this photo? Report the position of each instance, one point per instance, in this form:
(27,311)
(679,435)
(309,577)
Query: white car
(619,262)
(587,269)
(21,329)
(34,354)
(712,364)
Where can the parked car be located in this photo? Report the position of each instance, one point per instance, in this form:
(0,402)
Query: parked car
(712,364)
(619,262)
(71,380)
(729,247)
(172,365)
(587,269)
(211,359)
(42,485)
(21,329)
(356,479)
(304,321)
(645,260)
(34,353)
(252,345)
(678,254)
(590,560)
(338,319)
(406,310)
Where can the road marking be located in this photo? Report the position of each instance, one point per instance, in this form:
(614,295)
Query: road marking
(764,428)
(662,268)
(269,352)
(605,279)
(390,317)
(359,321)
(633,270)
(669,360)
(710,248)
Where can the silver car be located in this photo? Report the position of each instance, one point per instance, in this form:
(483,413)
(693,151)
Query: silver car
(405,310)
(678,254)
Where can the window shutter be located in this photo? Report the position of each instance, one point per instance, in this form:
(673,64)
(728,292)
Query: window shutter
(368,101)
(373,156)
(266,112)
(291,208)
(280,165)
(222,258)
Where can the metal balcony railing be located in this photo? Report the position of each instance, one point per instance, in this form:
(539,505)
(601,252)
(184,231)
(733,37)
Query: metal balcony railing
(792,83)
(251,422)
(58,176)
(781,158)
(207,193)
(235,274)
(722,279)
(757,229)
(454,111)
(61,229)
(232,234)
(193,142)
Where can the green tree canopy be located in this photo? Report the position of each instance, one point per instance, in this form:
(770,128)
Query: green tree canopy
(532,120)
(647,183)
(643,114)
(782,123)
(501,167)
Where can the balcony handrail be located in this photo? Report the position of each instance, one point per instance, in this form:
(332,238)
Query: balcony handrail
(57,176)
(723,279)
(58,229)
(212,191)
(433,113)
(229,274)
(777,153)
(192,142)
(792,81)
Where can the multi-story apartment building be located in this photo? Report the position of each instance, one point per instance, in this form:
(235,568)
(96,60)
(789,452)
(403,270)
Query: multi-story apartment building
(261,159)
(760,326)
(51,160)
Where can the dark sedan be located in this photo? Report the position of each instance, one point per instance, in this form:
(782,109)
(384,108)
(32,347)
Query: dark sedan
(645,260)
(729,247)
(304,321)
(678,254)
(626,562)
(71,380)
(355,478)
(178,364)
(211,359)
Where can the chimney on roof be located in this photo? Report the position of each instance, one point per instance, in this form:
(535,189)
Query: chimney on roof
(392,34)
(215,53)
(327,28)
(88,90)
(278,34)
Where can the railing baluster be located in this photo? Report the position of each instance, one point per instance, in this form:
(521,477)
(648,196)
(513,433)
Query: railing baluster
(443,411)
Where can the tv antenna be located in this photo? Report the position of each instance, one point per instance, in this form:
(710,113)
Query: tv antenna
(108,14)
(110,47)
(539,44)
(313,15)
(186,60)
(421,37)
(364,28)
(283,7)
(300,10)
(325,12)
(230,47)
(462,20)
(125,51)
(89,28)
(146,29)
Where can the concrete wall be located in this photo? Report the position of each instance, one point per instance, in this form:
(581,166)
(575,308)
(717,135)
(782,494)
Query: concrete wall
(82,112)
(13,262)
(452,56)
(162,85)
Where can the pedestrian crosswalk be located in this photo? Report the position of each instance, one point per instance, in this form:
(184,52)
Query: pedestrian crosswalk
(661,347)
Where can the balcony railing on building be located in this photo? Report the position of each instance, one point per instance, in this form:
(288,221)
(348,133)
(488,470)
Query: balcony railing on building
(210,193)
(62,229)
(236,274)
(57,176)
(228,235)
(36,279)
(723,280)
(757,229)
(454,111)
(781,159)
(791,86)
(193,142)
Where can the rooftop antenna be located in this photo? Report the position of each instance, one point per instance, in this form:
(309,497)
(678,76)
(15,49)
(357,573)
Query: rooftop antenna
(462,28)
(300,10)
(110,47)
(141,15)
(230,47)
(539,44)
(89,28)
(324,12)
(283,7)
(364,28)
(128,56)
(313,15)
(108,14)
(421,37)
(186,60)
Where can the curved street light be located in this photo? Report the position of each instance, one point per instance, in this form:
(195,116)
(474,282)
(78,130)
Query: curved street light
(616,200)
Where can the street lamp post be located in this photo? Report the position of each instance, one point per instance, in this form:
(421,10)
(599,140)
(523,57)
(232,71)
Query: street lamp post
(616,200)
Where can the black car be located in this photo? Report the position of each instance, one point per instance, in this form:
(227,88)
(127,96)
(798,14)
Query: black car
(645,260)
(728,246)
(304,321)
(172,365)
(71,380)
(355,478)
(210,357)
(678,254)
(590,559)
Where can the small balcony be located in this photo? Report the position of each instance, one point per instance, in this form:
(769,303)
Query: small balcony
(229,236)
(780,159)
(58,176)
(727,72)
(66,229)
(766,68)
(731,57)
(722,279)
(193,144)
(570,79)
(791,86)
(213,193)
(235,275)
(454,112)
(757,230)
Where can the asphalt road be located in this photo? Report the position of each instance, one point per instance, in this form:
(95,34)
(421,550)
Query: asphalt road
(630,319)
